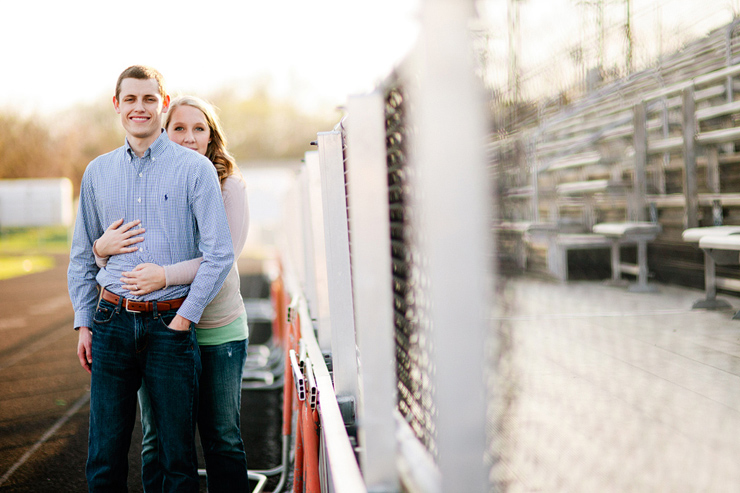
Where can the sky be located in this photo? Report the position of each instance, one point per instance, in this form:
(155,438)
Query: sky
(56,54)
(549,29)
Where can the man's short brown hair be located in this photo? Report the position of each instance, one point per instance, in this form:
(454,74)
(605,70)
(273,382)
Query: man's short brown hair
(141,72)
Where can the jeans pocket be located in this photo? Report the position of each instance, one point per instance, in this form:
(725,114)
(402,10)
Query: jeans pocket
(104,313)
(165,320)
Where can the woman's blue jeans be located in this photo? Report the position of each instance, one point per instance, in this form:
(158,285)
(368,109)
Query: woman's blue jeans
(129,349)
(218,422)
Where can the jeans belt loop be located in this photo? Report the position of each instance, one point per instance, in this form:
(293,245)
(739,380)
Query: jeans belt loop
(118,305)
(155,314)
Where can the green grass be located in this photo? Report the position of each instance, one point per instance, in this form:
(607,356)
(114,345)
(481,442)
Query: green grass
(22,265)
(28,250)
(26,241)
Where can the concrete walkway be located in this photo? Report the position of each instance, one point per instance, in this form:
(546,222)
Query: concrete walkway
(603,390)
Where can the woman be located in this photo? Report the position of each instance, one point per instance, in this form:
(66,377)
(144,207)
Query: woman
(222,332)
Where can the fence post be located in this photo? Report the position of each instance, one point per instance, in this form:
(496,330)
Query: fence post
(451,181)
(304,225)
(338,271)
(320,311)
(367,177)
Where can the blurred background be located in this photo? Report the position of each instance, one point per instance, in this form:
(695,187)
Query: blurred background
(279,72)
(282,70)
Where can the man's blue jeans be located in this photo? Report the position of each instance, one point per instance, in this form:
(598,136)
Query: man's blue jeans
(218,422)
(128,349)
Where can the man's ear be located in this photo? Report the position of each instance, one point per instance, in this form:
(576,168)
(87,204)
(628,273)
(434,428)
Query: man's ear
(166,103)
(115,105)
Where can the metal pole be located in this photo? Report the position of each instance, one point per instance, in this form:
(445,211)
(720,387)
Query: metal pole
(640,146)
(691,188)
(628,35)
(514,41)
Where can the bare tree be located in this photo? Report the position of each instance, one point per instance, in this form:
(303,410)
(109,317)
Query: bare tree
(258,128)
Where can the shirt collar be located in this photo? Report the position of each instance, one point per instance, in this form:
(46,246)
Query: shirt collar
(154,150)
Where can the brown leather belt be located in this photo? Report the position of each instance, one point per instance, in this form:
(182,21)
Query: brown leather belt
(142,306)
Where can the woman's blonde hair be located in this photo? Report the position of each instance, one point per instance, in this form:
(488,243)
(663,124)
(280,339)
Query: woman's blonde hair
(216,151)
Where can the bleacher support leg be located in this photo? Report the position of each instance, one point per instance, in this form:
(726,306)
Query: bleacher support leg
(557,261)
(616,261)
(642,285)
(710,302)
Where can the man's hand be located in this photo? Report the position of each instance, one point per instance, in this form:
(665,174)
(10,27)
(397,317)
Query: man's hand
(84,348)
(180,323)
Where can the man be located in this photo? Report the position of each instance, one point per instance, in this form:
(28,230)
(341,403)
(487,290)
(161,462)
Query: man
(176,195)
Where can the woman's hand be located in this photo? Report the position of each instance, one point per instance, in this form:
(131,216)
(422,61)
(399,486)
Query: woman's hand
(144,279)
(118,239)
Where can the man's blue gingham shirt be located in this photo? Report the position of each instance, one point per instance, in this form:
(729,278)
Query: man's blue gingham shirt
(175,193)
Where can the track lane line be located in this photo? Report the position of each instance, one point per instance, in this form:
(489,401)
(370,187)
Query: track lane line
(35,346)
(49,433)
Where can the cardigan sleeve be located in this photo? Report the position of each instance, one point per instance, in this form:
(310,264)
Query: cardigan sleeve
(101,262)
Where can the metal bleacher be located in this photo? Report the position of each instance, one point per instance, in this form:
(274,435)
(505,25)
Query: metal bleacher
(658,146)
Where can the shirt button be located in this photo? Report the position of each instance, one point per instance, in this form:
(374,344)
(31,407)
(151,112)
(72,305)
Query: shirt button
(141,174)
(154,159)
(139,200)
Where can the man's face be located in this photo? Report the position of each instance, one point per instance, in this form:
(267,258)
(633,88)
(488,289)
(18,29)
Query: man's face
(141,107)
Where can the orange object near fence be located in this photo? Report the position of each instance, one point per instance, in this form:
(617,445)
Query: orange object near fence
(310,434)
(298,466)
(287,395)
(297,394)
(279,305)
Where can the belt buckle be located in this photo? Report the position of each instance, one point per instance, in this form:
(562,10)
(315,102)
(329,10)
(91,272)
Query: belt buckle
(128,309)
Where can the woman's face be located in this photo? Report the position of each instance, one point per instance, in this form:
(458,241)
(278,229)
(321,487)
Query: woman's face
(188,127)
